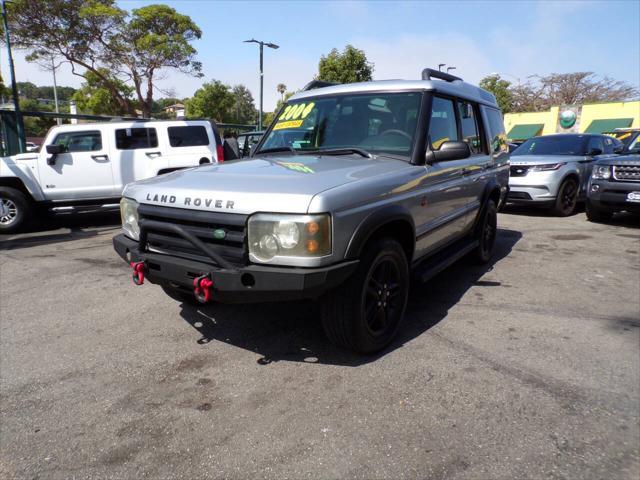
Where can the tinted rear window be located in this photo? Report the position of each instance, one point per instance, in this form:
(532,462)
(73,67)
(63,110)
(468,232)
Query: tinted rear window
(190,136)
(554,145)
(135,138)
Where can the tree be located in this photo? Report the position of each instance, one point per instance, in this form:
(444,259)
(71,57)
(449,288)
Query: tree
(569,89)
(96,36)
(244,107)
(281,88)
(500,89)
(347,67)
(94,98)
(213,100)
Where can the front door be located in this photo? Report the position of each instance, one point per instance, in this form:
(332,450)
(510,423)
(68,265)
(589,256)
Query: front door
(82,171)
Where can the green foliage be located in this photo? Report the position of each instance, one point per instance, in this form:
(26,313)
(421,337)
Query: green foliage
(95,99)
(213,100)
(96,36)
(244,109)
(500,89)
(347,67)
(32,91)
(36,126)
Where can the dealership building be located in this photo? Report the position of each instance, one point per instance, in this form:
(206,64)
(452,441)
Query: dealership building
(590,118)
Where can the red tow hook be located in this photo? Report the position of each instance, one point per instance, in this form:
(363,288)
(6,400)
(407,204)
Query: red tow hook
(202,287)
(138,272)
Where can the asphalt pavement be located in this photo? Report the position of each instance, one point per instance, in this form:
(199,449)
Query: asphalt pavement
(526,368)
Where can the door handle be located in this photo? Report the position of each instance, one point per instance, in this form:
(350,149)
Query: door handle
(465,171)
(100,157)
(154,154)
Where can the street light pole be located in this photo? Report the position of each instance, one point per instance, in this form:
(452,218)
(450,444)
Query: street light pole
(262,44)
(14,87)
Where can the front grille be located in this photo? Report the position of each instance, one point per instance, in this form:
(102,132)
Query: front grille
(626,173)
(519,170)
(200,224)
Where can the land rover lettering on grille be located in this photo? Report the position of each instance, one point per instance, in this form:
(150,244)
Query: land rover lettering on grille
(195,201)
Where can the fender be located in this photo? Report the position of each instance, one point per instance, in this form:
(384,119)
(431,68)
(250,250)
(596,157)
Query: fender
(19,175)
(373,222)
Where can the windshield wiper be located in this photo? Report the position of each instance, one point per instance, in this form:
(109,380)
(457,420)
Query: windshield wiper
(340,151)
(277,149)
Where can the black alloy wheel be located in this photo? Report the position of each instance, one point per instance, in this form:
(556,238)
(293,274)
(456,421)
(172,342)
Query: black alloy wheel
(567,198)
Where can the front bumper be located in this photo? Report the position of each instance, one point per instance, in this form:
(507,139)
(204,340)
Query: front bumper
(252,283)
(612,196)
(538,188)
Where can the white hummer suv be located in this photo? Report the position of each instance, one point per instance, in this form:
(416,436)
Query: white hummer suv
(88,165)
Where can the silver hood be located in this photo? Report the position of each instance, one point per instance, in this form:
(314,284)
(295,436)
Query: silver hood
(544,159)
(267,184)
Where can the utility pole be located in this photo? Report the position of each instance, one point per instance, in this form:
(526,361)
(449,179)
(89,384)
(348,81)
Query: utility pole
(14,87)
(262,44)
(55,90)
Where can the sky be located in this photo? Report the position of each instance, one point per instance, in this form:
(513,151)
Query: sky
(515,39)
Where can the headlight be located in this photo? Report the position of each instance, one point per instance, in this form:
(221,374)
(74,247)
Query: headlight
(129,216)
(274,236)
(547,167)
(601,172)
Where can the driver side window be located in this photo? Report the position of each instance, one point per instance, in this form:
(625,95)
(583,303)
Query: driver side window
(443,126)
(90,141)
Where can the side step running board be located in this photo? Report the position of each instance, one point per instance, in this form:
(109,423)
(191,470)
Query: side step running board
(443,259)
(85,208)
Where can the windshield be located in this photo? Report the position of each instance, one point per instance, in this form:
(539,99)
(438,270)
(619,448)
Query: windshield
(630,140)
(554,145)
(378,123)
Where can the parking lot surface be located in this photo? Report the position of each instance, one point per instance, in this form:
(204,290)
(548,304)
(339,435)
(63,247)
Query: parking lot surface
(526,368)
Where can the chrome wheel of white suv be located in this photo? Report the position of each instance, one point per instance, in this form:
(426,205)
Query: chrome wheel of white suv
(15,209)
(8,212)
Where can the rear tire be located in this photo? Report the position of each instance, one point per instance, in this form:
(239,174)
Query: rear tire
(365,313)
(15,210)
(486,233)
(596,215)
(567,198)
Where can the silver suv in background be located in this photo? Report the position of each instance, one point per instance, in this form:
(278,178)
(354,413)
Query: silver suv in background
(553,170)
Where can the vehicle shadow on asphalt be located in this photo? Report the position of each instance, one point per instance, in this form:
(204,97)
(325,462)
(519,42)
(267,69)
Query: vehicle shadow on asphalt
(45,231)
(293,332)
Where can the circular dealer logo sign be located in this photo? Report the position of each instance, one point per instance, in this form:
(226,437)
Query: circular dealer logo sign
(567,119)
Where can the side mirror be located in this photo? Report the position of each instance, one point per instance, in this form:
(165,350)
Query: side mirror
(451,150)
(54,150)
(594,151)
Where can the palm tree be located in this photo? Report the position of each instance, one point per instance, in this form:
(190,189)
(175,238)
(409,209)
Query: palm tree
(281,89)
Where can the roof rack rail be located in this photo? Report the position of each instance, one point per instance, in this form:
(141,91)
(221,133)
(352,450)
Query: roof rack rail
(429,73)
(318,84)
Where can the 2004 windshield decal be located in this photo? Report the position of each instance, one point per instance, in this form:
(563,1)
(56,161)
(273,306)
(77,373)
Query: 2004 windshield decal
(293,115)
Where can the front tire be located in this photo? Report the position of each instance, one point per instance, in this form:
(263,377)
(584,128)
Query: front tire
(15,210)
(596,215)
(365,313)
(567,198)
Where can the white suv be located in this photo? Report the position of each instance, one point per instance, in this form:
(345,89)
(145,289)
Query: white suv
(88,165)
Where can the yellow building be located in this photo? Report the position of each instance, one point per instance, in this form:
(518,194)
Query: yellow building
(590,118)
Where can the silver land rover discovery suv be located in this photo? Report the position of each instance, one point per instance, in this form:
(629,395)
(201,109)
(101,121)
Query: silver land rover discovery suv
(352,189)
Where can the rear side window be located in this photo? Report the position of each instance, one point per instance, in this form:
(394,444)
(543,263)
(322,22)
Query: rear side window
(596,143)
(189,136)
(87,141)
(136,138)
(496,130)
(442,127)
(469,124)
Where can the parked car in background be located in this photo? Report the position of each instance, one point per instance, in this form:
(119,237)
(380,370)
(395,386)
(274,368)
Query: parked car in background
(32,147)
(614,185)
(247,142)
(513,146)
(88,165)
(630,138)
(553,170)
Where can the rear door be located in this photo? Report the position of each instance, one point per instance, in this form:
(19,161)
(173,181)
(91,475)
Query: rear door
(138,154)
(189,145)
(82,171)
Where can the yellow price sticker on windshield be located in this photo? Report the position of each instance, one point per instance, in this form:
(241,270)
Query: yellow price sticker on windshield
(290,124)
